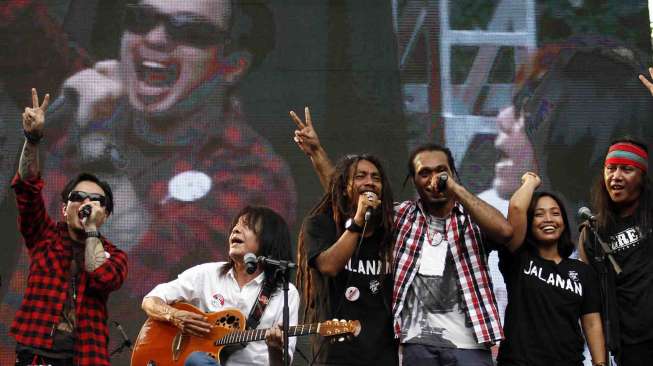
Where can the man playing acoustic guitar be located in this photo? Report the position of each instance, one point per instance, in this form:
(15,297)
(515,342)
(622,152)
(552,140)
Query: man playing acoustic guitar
(217,286)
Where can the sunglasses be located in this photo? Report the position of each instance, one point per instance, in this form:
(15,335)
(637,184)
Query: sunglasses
(189,29)
(79,196)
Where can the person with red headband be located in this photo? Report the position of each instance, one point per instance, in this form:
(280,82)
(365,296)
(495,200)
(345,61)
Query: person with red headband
(623,203)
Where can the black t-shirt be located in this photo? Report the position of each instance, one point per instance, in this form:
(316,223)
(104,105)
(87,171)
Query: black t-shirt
(545,303)
(634,286)
(356,293)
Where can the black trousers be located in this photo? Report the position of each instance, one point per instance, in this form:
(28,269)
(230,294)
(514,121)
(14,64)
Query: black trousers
(27,358)
(635,354)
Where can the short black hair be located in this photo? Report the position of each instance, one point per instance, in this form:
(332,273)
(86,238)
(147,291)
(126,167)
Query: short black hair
(429,147)
(565,244)
(88,177)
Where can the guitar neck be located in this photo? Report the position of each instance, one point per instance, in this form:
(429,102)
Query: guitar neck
(242,336)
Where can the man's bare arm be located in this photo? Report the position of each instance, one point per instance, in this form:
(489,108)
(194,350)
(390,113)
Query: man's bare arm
(488,218)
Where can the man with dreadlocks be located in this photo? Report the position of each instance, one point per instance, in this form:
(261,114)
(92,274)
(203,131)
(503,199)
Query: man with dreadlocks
(442,301)
(623,204)
(344,255)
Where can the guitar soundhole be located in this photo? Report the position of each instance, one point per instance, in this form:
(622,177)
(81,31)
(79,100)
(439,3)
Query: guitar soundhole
(229,321)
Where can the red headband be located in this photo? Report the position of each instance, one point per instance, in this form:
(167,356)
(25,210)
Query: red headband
(627,154)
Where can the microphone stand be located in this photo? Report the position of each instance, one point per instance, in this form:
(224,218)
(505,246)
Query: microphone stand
(283,269)
(602,250)
(126,343)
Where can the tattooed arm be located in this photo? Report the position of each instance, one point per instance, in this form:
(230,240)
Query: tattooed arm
(33,122)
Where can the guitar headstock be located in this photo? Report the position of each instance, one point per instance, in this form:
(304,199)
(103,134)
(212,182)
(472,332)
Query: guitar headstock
(337,327)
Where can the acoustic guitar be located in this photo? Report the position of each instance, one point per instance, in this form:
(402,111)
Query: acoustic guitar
(160,343)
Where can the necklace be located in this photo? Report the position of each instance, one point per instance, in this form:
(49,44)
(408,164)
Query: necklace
(437,236)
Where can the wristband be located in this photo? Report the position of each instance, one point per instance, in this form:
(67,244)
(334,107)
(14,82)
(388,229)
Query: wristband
(93,234)
(32,137)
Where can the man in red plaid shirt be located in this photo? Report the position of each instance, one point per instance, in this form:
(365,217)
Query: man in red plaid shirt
(62,319)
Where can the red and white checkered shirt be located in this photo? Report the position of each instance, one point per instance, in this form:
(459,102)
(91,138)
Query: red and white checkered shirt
(470,257)
(50,251)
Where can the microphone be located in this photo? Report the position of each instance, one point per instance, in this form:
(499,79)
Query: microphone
(585,213)
(251,262)
(126,340)
(368,212)
(442,182)
(85,212)
(276,262)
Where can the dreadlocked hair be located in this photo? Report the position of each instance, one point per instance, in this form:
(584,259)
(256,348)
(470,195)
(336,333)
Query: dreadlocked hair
(313,285)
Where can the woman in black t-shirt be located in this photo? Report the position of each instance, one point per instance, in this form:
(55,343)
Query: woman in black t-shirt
(548,293)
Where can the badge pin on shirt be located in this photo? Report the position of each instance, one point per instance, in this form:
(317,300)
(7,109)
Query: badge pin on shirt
(352,293)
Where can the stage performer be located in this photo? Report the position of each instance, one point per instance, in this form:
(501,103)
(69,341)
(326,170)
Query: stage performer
(73,268)
(443,305)
(623,205)
(550,296)
(344,253)
(217,286)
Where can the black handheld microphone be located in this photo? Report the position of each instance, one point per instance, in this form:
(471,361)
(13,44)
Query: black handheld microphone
(251,263)
(85,212)
(368,212)
(585,213)
(442,182)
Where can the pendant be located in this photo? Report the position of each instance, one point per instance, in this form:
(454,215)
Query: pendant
(437,239)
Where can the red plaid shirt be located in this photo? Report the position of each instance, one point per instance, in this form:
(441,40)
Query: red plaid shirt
(469,253)
(50,252)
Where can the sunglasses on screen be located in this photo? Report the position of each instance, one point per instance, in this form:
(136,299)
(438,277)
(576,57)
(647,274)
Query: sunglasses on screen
(79,196)
(185,28)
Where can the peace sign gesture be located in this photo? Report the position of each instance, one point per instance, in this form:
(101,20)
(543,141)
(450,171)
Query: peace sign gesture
(305,136)
(34,118)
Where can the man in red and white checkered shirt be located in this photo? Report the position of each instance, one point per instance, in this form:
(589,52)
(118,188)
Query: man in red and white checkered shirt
(62,319)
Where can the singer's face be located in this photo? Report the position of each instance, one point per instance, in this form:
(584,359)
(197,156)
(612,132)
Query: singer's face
(167,50)
(548,224)
(428,166)
(364,177)
(243,239)
(71,208)
(624,184)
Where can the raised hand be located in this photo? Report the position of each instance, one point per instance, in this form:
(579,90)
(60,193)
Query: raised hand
(532,178)
(305,135)
(645,81)
(34,118)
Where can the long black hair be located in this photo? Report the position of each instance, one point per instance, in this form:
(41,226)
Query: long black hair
(273,236)
(313,284)
(607,212)
(565,244)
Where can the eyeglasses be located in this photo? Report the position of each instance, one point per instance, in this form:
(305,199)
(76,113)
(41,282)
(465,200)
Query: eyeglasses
(189,29)
(79,196)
